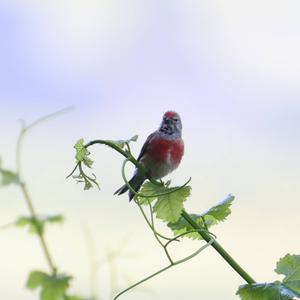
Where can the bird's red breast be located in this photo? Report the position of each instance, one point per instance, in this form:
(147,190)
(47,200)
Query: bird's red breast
(166,150)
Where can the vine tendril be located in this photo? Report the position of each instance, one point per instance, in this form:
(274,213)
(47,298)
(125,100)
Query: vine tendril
(157,235)
(172,190)
(167,267)
(203,232)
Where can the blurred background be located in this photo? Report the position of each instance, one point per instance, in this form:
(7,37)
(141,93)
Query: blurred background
(230,68)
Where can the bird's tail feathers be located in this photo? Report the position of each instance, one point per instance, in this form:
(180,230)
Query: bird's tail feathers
(135,182)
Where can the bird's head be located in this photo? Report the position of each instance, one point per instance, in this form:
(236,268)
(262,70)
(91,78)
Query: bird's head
(171,124)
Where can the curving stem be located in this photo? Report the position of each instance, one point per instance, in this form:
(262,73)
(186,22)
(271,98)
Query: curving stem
(184,214)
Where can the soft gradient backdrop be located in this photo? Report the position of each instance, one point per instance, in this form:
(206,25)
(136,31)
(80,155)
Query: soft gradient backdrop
(230,68)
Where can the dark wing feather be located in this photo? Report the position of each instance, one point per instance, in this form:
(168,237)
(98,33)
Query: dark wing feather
(146,144)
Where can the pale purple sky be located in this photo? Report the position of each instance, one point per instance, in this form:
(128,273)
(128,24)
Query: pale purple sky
(231,69)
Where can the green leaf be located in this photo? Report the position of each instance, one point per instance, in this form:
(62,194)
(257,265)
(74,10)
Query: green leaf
(149,189)
(168,207)
(82,156)
(122,143)
(53,287)
(289,266)
(219,212)
(289,289)
(169,202)
(182,226)
(36,279)
(82,153)
(23,221)
(266,291)
(37,225)
(213,216)
(8,177)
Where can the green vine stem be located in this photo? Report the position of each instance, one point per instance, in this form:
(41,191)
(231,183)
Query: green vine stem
(126,154)
(157,236)
(152,222)
(155,233)
(184,214)
(185,233)
(24,189)
(40,234)
(219,249)
(151,225)
(175,263)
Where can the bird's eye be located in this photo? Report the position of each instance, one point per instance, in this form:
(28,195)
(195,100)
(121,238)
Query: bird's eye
(175,119)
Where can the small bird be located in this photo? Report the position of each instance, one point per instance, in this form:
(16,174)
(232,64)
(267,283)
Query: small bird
(160,154)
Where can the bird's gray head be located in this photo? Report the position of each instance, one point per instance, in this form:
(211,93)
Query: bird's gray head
(171,124)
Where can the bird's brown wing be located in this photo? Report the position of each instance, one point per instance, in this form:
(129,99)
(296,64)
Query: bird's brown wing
(146,145)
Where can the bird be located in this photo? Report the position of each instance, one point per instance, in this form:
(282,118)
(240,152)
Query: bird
(160,155)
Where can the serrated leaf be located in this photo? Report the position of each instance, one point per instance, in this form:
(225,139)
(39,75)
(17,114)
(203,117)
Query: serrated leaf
(82,154)
(53,287)
(169,207)
(148,189)
(219,212)
(289,266)
(213,216)
(122,143)
(266,291)
(36,279)
(8,177)
(169,202)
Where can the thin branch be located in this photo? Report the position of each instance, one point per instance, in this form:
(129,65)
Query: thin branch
(48,117)
(126,154)
(87,178)
(143,280)
(153,226)
(155,235)
(184,214)
(23,187)
(201,231)
(228,258)
(25,129)
(166,268)
(164,246)
(185,233)
(72,172)
(39,232)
